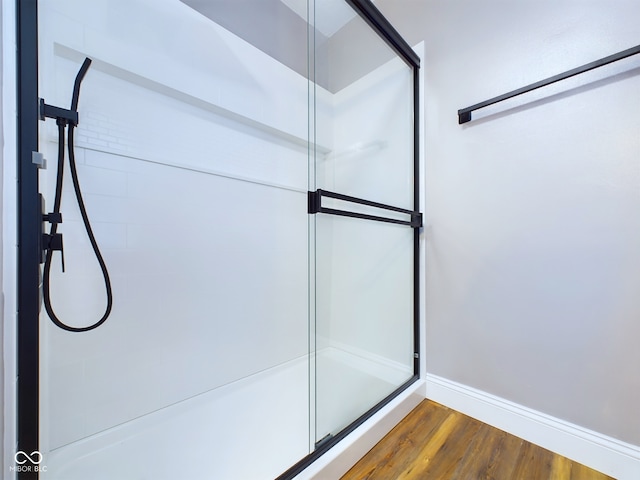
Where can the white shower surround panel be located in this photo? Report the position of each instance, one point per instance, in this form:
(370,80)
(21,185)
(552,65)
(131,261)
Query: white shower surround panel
(174,204)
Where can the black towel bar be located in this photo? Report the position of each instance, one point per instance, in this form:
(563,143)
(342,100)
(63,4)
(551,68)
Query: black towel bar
(464,114)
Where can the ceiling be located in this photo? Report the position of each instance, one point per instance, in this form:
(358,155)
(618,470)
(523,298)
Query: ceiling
(279,28)
(330,15)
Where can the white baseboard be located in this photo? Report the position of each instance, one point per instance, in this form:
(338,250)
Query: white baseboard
(603,453)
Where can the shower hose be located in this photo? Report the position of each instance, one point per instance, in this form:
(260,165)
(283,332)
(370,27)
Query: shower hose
(62,125)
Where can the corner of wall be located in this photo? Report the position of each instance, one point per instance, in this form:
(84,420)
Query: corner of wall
(595,450)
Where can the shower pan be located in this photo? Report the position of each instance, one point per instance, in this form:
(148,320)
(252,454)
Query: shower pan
(250,172)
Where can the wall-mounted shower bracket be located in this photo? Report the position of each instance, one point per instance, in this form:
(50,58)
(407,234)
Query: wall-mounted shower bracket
(62,115)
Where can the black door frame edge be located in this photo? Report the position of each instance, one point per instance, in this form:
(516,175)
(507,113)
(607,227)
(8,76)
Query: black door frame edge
(28,228)
(370,14)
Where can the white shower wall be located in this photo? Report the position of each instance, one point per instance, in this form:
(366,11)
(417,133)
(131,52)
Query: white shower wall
(193,162)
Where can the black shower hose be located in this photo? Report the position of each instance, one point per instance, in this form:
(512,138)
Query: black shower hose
(62,125)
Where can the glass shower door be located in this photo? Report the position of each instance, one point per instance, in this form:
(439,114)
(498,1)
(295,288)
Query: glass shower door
(363,200)
(192,154)
(209,131)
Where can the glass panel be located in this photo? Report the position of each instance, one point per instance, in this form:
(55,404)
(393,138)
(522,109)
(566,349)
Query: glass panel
(363,268)
(192,153)
(364,333)
(364,106)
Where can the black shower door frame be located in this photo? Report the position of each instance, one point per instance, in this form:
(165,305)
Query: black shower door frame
(381,26)
(30,224)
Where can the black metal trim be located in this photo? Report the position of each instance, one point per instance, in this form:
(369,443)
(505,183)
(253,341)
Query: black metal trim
(347,198)
(29,224)
(464,114)
(345,213)
(313,202)
(315,206)
(331,442)
(382,27)
(416,231)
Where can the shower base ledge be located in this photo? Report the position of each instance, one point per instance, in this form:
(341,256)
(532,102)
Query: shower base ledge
(206,436)
(339,459)
(210,435)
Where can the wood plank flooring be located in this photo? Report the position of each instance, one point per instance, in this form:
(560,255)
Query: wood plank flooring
(435,442)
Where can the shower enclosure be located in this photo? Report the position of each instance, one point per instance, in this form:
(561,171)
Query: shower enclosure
(249,169)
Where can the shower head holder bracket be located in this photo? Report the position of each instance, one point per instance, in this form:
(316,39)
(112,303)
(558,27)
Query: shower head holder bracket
(62,115)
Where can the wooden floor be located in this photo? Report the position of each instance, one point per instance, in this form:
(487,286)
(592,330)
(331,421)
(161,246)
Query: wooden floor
(435,442)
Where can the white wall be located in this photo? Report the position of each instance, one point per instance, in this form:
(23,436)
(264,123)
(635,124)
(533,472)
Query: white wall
(2,141)
(533,212)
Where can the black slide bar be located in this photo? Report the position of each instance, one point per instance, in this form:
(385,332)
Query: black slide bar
(381,25)
(315,206)
(464,114)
